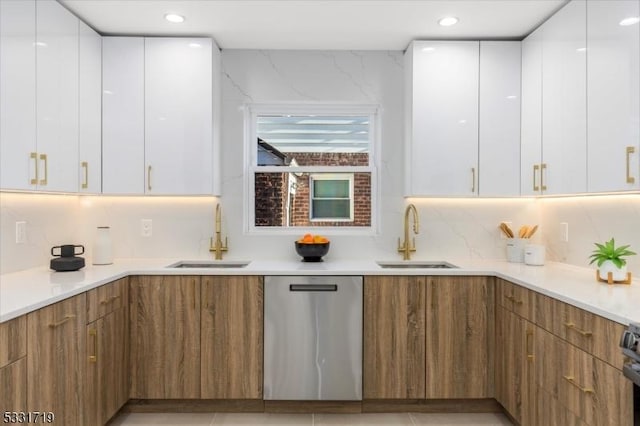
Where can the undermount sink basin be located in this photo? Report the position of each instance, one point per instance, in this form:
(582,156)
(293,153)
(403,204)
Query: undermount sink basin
(416,265)
(209,264)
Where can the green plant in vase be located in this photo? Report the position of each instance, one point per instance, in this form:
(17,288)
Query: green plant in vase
(610,258)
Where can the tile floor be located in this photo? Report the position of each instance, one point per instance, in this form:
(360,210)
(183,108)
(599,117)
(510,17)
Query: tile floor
(250,419)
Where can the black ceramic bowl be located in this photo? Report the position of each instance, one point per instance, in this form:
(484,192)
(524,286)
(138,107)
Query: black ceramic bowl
(312,252)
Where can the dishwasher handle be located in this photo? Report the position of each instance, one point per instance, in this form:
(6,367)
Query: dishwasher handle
(313,287)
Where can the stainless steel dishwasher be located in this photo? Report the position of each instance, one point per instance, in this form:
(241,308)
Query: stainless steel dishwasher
(313,338)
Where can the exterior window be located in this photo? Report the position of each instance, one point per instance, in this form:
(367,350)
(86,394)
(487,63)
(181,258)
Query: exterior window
(331,197)
(311,166)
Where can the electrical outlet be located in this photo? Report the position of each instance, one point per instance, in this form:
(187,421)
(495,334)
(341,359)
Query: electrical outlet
(21,232)
(146,227)
(564,232)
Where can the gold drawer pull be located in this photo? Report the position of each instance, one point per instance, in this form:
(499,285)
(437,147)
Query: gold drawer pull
(630,150)
(543,167)
(149,178)
(514,300)
(85,166)
(572,326)
(535,171)
(571,380)
(34,156)
(473,180)
(94,333)
(43,158)
(109,300)
(62,321)
(530,356)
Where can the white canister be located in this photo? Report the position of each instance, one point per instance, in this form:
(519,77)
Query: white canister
(534,254)
(102,247)
(515,250)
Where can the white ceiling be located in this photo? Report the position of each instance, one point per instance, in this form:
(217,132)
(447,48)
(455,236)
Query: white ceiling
(317,24)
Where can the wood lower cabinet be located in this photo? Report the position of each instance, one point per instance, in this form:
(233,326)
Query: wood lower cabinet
(394,337)
(515,366)
(13,386)
(232,337)
(165,337)
(55,354)
(107,367)
(459,337)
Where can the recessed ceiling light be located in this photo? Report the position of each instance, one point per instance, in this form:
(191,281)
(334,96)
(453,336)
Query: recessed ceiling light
(173,17)
(630,21)
(195,45)
(447,21)
(512,97)
(428,49)
(581,49)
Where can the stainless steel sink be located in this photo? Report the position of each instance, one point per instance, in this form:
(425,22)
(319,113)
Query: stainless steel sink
(416,265)
(209,264)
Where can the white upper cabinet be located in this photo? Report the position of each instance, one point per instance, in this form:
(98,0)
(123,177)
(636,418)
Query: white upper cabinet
(531,118)
(90,111)
(178,116)
(442,114)
(123,115)
(499,153)
(564,104)
(158,115)
(613,95)
(57,97)
(18,94)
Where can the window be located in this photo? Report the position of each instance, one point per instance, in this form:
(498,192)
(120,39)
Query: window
(331,197)
(310,166)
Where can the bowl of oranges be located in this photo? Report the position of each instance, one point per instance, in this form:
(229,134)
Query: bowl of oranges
(312,247)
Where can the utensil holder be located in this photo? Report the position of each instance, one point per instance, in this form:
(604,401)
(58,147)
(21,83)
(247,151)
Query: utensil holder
(515,250)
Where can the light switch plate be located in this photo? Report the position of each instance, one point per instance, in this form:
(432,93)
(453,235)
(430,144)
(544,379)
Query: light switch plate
(21,232)
(564,232)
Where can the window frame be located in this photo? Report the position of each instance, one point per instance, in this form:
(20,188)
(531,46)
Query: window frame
(334,177)
(251,113)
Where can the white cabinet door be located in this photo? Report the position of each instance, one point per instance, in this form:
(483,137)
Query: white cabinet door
(613,95)
(499,153)
(531,118)
(443,133)
(90,111)
(57,96)
(178,116)
(564,105)
(123,115)
(17,94)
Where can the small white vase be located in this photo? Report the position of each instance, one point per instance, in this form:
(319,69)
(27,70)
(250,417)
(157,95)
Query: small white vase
(102,247)
(618,274)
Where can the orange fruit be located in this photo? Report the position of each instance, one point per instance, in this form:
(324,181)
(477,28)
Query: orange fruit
(307,239)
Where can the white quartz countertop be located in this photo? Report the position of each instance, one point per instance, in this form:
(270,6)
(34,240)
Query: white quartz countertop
(25,291)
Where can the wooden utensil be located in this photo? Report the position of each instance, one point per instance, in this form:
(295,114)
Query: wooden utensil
(522,233)
(506,230)
(532,231)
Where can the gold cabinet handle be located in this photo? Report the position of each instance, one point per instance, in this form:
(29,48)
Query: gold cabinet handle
(43,158)
(572,380)
(149,178)
(630,150)
(94,333)
(572,326)
(536,167)
(473,179)
(514,300)
(85,166)
(62,321)
(109,300)
(543,167)
(34,156)
(530,356)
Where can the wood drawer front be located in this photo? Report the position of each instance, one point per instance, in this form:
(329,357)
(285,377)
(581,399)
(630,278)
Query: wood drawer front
(106,299)
(13,340)
(594,334)
(595,390)
(516,299)
(550,412)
